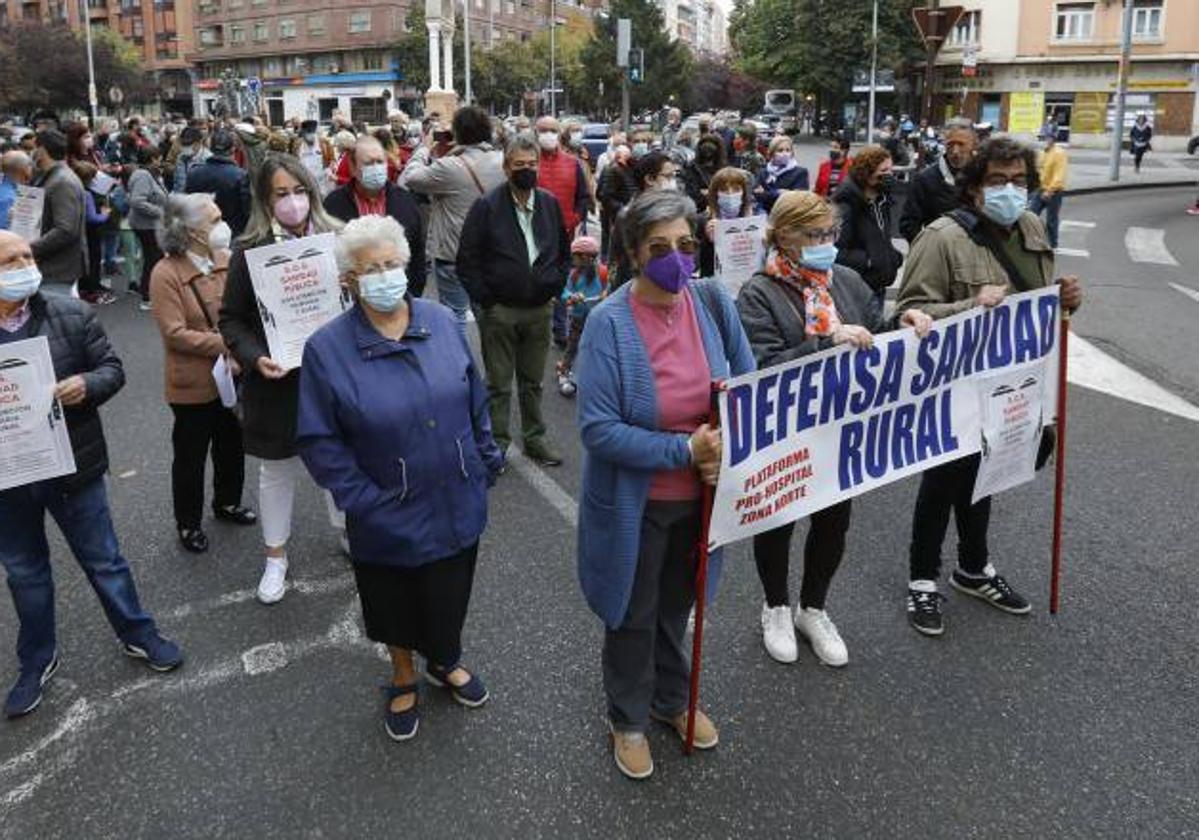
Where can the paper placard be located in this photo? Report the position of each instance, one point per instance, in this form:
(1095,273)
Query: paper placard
(34,444)
(25,219)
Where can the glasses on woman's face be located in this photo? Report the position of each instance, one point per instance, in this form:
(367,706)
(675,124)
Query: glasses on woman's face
(809,236)
(377,267)
(660,247)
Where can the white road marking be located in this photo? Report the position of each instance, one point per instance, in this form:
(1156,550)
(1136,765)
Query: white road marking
(81,717)
(1073,223)
(1148,245)
(558,498)
(1072,252)
(1193,294)
(1089,367)
(303,586)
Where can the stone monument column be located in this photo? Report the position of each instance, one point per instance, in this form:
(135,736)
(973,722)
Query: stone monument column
(447,45)
(441,98)
(434,56)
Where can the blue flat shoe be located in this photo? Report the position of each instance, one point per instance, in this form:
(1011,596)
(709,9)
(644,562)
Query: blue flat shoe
(471,695)
(401,726)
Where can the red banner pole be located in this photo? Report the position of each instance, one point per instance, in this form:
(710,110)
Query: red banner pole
(1059,485)
(701,588)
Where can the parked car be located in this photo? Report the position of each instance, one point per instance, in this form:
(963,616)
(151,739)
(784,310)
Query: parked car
(595,140)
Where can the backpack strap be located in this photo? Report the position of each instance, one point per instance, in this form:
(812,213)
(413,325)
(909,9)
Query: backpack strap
(985,239)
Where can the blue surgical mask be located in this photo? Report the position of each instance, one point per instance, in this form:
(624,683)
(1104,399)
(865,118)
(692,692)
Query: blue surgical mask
(1004,205)
(819,257)
(640,149)
(729,204)
(374,176)
(19,283)
(384,291)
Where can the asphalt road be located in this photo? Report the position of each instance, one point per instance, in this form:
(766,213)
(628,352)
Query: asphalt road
(1075,726)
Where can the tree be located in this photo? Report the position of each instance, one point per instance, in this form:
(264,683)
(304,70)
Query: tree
(46,67)
(412,50)
(716,84)
(814,46)
(668,64)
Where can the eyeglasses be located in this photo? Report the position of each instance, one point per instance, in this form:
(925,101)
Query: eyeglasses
(1003,181)
(817,235)
(659,248)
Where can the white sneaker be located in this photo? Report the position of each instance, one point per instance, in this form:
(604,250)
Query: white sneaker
(815,626)
(274,580)
(566,385)
(778,635)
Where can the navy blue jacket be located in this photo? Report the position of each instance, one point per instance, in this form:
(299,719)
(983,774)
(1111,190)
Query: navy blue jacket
(795,178)
(230,186)
(398,432)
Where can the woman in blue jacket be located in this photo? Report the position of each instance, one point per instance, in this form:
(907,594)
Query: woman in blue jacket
(393,422)
(782,172)
(646,362)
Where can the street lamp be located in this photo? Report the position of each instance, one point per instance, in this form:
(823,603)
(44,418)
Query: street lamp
(91,66)
(553,58)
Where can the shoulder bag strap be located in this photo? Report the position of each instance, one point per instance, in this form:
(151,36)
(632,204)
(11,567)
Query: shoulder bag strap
(979,237)
(203,308)
(473,176)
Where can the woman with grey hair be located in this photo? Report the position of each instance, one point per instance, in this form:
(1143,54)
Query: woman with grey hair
(393,422)
(286,205)
(647,359)
(185,289)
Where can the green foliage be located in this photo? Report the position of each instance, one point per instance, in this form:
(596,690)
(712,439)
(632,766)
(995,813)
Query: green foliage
(45,66)
(814,46)
(412,50)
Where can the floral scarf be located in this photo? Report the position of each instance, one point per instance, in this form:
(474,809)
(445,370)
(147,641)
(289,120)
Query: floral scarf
(820,312)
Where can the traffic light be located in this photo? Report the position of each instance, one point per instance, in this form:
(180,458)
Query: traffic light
(637,65)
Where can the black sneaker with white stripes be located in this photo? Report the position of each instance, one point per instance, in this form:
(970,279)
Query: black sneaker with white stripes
(924,612)
(994,590)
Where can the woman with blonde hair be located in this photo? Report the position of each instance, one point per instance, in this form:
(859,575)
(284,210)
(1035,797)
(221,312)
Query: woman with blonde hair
(801,303)
(781,173)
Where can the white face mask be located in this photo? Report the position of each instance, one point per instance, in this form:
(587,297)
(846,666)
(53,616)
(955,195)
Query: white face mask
(548,140)
(220,237)
(668,184)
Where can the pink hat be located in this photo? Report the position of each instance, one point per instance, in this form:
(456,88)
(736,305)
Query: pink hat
(584,245)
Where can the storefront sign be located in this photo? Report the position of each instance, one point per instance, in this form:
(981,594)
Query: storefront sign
(1026,112)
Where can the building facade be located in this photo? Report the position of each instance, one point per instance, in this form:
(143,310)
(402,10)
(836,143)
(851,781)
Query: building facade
(1036,60)
(161,30)
(700,24)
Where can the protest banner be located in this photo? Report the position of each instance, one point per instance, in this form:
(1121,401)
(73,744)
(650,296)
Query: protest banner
(34,444)
(298,291)
(804,435)
(26,214)
(740,250)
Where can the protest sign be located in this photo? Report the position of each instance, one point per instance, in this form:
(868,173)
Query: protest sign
(1011,430)
(34,444)
(298,291)
(740,250)
(804,435)
(26,214)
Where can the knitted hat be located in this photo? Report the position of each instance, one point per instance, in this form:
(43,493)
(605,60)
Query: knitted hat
(584,245)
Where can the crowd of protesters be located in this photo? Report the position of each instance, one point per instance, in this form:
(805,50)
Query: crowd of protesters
(405,428)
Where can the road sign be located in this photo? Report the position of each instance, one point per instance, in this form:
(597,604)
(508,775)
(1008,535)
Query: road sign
(970,60)
(624,40)
(115,95)
(254,84)
(884,81)
(935,24)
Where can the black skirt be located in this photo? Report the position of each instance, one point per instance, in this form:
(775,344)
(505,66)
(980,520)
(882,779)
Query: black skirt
(421,608)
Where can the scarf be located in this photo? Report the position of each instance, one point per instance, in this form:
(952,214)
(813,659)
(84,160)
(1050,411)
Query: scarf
(820,312)
(774,170)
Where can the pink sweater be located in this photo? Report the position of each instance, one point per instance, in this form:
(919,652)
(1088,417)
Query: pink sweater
(681,376)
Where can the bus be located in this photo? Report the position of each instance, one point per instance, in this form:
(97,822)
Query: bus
(784,105)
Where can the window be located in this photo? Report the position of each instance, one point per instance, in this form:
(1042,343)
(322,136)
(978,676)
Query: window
(360,21)
(210,36)
(272,67)
(316,24)
(510,7)
(260,30)
(235,4)
(237,34)
(967,30)
(258,2)
(372,61)
(1075,22)
(287,29)
(139,28)
(1147,19)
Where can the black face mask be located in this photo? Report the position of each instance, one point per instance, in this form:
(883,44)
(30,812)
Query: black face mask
(887,183)
(834,156)
(524,179)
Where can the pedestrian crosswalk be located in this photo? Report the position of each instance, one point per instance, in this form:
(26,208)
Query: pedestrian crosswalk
(1148,245)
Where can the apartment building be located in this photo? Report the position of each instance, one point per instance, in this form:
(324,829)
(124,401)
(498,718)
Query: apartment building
(700,24)
(161,30)
(1016,63)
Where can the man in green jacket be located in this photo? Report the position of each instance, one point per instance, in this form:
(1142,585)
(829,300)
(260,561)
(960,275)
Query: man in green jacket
(973,256)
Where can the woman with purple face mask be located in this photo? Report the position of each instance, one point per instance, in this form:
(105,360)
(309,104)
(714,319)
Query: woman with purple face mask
(286,205)
(646,361)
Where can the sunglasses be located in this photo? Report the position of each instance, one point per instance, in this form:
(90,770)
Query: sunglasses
(686,245)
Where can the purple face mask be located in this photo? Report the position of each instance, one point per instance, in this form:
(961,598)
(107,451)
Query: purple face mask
(670,272)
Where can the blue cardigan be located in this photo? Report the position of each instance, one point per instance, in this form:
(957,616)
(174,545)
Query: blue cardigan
(618,421)
(398,431)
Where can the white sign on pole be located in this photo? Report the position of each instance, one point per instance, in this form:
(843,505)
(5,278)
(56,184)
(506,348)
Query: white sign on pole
(25,218)
(624,41)
(740,250)
(298,291)
(34,444)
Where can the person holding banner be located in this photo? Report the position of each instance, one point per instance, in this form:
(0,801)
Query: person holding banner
(804,302)
(973,256)
(286,205)
(89,374)
(644,400)
(728,198)
(393,421)
(186,289)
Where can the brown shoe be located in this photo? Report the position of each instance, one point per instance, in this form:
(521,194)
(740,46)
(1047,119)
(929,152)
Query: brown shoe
(631,751)
(706,736)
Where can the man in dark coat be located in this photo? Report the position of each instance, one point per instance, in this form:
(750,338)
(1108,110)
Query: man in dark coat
(228,182)
(370,193)
(934,192)
(88,374)
(513,258)
(61,250)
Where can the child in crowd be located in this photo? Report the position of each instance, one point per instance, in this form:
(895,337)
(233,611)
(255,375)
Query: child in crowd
(586,285)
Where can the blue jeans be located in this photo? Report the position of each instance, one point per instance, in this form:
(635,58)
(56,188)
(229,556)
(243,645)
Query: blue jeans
(1053,213)
(84,520)
(451,292)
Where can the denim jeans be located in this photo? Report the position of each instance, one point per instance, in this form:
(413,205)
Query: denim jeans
(450,291)
(84,520)
(1052,206)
